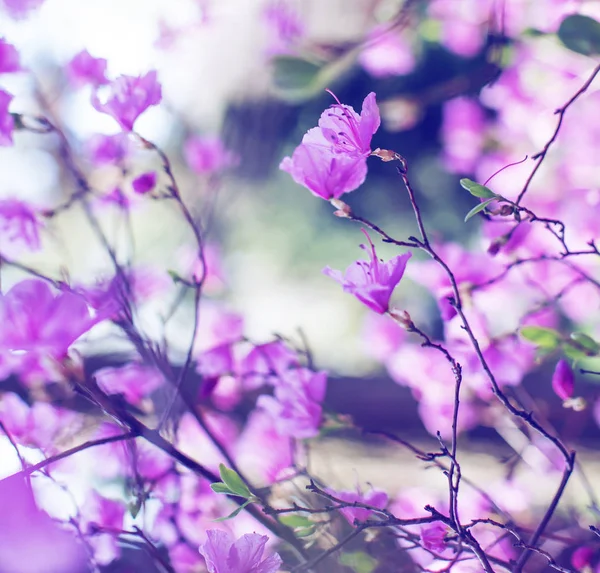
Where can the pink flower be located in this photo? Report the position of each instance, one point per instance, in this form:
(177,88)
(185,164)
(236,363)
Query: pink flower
(104,149)
(285,26)
(39,322)
(331,160)
(582,557)
(85,69)
(144,183)
(324,173)
(563,380)
(372,282)
(19,225)
(19,9)
(387,54)
(30,541)
(129,97)
(208,155)
(246,555)
(432,536)
(6,120)
(375,498)
(265,361)
(9,58)
(133,381)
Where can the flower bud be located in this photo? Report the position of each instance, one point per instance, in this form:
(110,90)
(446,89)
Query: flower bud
(563,380)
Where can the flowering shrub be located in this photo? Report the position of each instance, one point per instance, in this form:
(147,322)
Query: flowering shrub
(152,433)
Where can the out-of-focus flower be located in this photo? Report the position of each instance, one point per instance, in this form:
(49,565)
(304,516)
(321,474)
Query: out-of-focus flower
(106,149)
(375,498)
(9,58)
(144,183)
(285,26)
(432,536)
(387,54)
(372,282)
(331,160)
(325,174)
(7,122)
(19,9)
(582,557)
(128,97)
(30,541)
(19,226)
(208,155)
(265,361)
(563,380)
(246,555)
(37,323)
(133,381)
(84,69)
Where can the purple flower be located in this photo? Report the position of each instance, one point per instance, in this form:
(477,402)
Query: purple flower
(372,282)
(6,120)
(36,320)
(85,69)
(246,555)
(387,54)
(129,97)
(331,160)
(563,380)
(432,536)
(104,149)
(285,26)
(207,155)
(19,225)
(375,498)
(9,58)
(133,381)
(326,174)
(18,9)
(144,183)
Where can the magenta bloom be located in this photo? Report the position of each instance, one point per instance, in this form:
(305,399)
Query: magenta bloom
(285,26)
(6,120)
(19,9)
(208,155)
(144,183)
(133,381)
(563,380)
(326,174)
(19,225)
(84,69)
(432,536)
(246,555)
(38,321)
(372,282)
(375,498)
(387,54)
(129,97)
(331,160)
(9,58)
(105,149)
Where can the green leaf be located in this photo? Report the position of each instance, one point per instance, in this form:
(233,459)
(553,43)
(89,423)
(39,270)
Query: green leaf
(234,482)
(220,487)
(292,73)
(574,353)
(580,34)
(586,342)
(545,338)
(295,521)
(234,513)
(476,189)
(304,532)
(359,561)
(478,208)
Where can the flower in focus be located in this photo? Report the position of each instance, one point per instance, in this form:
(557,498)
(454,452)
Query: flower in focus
(325,174)
(432,536)
(84,69)
(7,122)
(372,282)
(331,160)
(563,380)
(207,155)
(9,58)
(19,226)
(19,9)
(144,183)
(375,498)
(128,97)
(246,555)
